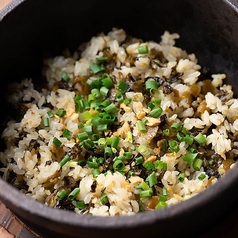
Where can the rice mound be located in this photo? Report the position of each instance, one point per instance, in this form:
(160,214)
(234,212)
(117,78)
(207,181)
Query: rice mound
(124,159)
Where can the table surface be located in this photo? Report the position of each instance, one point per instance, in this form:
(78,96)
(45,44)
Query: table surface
(11,226)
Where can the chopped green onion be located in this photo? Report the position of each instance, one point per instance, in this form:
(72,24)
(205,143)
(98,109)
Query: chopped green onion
(88,129)
(181,177)
(164,192)
(82,136)
(149,165)
(107,82)
(72,164)
(88,144)
(151,85)
(156,112)
(96,93)
(154,103)
(161,204)
(65,76)
(57,142)
(211,161)
(188,140)
(73,194)
(162,198)
(139,160)
(60,112)
(160,165)
(115,142)
(143,49)
(118,165)
(144,185)
(102,127)
(102,143)
(146,193)
(128,155)
(110,108)
(201,176)
(164,145)
(95,137)
(67,133)
(119,97)
(176,126)
(80,204)
(104,198)
(95,172)
(131,173)
(201,139)
(129,137)
(190,157)
(166,132)
(152,179)
(80,162)
(95,68)
(65,159)
(101,59)
(141,126)
(174,146)
(197,163)
(86,116)
(108,151)
(127,101)
(104,91)
(144,150)
(50,114)
(122,85)
(46,122)
(141,208)
(62,194)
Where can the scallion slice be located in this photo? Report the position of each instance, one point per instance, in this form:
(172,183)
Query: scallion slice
(146,193)
(65,159)
(57,142)
(151,85)
(118,165)
(197,163)
(62,194)
(156,112)
(201,176)
(201,139)
(104,198)
(60,112)
(174,146)
(46,122)
(80,204)
(141,126)
(73,194)
(107,82)
(65,76)
(181,177)
(50,114)
(143,150)
(190,157)
(161,205)
(143,49)
(95,68)
(67,133)
(149,165)
(152,179)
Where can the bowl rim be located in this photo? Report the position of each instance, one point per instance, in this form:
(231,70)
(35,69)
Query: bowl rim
(31,206)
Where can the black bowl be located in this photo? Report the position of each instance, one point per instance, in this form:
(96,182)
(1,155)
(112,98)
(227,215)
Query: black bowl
(31,28)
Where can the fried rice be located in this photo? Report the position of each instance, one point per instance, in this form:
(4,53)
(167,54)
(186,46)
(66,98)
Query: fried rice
(122,126)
